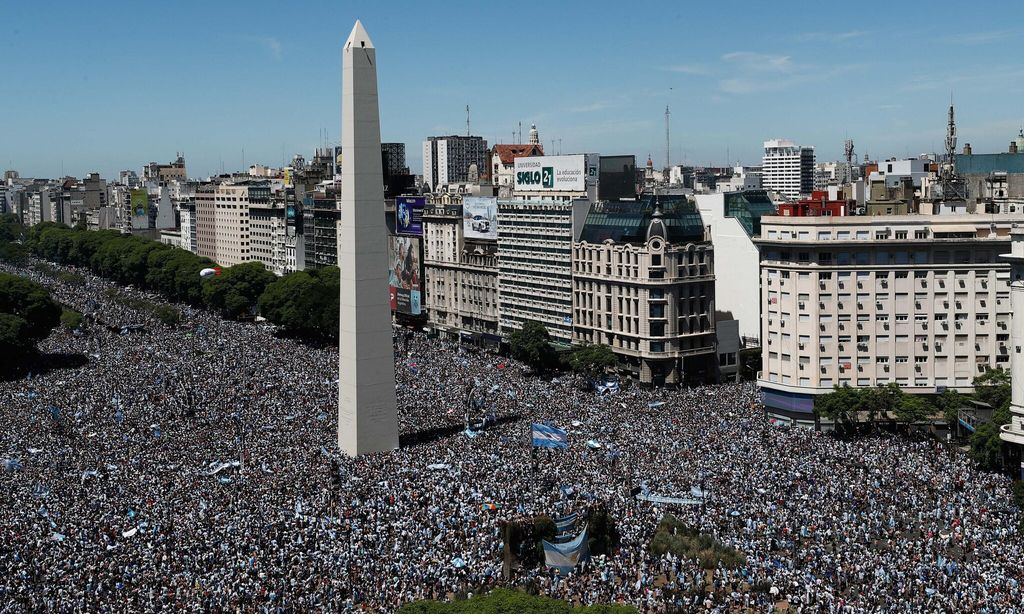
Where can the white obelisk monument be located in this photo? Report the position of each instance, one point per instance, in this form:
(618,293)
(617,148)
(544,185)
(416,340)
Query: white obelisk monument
(367,406)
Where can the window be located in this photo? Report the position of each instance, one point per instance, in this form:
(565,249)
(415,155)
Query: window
(655,259)
(901,234)
(657,329)
(657,346)
(657,310)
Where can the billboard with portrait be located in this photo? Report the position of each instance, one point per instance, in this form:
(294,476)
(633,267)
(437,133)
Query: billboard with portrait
(409,215)
(405,275)
(140,203)
(480,217)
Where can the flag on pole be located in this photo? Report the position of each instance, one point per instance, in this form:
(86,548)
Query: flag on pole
(545,436)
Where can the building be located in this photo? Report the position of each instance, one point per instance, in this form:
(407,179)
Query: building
(187,224)
(319,224)
(393,159)
(503,164)
(223,231)
(535,241)
(616,178)
(446,159)
(268,235)
(818,205)
(734,220)
(461,276)
(787,168)
(1013,433)
(919,301)
(643,284)
(160,173)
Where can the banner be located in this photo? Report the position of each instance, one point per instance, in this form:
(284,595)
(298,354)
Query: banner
(545,436)
(140,203)
(480,217)
(564,557)
(409,215)
(404,275)
(563,523)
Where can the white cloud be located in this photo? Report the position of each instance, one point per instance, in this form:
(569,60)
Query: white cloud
(981,38)
(689,69)
(760,61)
(829,37)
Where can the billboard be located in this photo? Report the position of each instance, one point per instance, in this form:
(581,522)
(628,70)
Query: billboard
(404,275)
(555,173)
(409,215)
(480,217)
(140,203)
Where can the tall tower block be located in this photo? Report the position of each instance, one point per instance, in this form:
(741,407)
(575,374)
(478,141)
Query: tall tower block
(1013,433)
(367,406)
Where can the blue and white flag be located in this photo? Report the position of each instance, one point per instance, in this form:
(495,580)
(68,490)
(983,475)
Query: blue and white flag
(564,557)
(565,522)
(545,436)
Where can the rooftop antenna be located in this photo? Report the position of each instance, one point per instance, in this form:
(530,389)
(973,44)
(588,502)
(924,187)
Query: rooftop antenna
(520,132)
(467,120)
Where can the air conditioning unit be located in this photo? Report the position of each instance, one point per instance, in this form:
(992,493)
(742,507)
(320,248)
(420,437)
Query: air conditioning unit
(860,305)
(801,366)
(860,284)
(885,367)
(878,305)
(917,368)
(821,326)
(841,347)
(917,304)
(822,347)
(821,305)
(885,325)
(885,284)
(821,285)
(802,345)
(801,304)
(823,369)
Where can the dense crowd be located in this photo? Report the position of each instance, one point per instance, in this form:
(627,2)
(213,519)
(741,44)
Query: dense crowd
(190,468)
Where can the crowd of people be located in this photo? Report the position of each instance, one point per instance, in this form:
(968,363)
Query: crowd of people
(194,467)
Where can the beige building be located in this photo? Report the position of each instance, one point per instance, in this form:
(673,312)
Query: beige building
(223,231)
(461,276)
(643,284)
(917,300)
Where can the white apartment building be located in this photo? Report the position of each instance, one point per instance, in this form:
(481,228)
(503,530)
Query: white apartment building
(223,231)
(920,301)
(461,276)
(787,168)
(734,221)
(269,236)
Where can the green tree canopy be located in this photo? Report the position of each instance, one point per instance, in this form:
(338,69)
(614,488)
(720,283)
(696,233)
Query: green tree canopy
(236,291)
(591,360)
(304,303)
(27,315)
(531,344)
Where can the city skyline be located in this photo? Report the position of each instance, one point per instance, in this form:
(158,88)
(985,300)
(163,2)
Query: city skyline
(221,82)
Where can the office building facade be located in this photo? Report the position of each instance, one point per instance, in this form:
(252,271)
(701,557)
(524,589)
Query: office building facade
(787,168)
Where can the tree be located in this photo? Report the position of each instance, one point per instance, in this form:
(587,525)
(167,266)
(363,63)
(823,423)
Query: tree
(912,408)
(236,291)
(949,403)
(986,447)
(839,405)
(27,315)
(531,344)
(993,387)
(591,360)
(304,303)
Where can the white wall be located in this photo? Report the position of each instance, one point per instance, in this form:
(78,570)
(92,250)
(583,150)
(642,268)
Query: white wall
(737,277)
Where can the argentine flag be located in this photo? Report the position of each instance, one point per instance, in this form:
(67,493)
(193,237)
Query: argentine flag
(565,522)
(565,557)
(545,436)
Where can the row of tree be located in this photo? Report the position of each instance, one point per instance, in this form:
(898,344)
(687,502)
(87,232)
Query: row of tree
(532,345)
(303,303)
(854,409)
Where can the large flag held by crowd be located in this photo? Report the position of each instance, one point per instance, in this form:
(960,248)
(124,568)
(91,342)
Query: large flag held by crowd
(546,436)
(565,556)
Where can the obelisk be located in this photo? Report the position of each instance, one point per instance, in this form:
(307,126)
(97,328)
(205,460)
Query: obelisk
(367,407)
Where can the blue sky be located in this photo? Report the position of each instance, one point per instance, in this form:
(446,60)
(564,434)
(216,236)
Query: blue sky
(114,85)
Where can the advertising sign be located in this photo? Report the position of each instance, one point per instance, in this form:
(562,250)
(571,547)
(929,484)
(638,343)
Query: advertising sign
(480,217)
(409,215)
(554,173)
(404,275)
(140,203)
